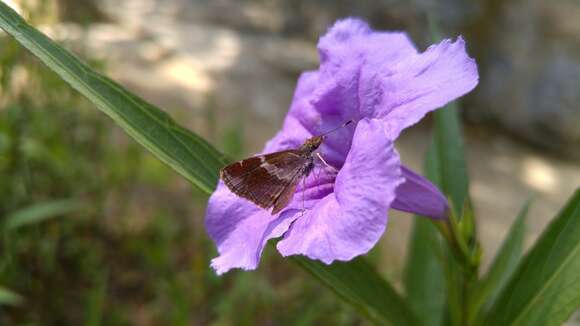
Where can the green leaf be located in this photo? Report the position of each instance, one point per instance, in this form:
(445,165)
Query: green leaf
(424,279)
(8,297)
(196,160)
(184,151)
(446,165)
(446,281)
(96,300)
(40,212)
(360,285)
(545,289)
(504,263)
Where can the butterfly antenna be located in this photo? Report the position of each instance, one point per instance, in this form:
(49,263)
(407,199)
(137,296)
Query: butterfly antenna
(335,129)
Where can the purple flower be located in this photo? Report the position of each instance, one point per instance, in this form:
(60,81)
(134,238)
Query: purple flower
(379,80)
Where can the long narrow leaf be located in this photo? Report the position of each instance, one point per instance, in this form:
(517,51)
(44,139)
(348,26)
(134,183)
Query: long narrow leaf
(196,160)
(446,167)
(424,279)
(504,263)
(545,289)
(185,152)
(446,158)
(361,286)
(40,212)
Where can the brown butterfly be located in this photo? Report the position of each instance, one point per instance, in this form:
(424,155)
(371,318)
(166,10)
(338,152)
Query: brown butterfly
(270,180)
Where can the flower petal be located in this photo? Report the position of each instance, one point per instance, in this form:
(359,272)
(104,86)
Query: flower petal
(327,98)
(351,40)
(240,229)
(365,73)
(349,47)
(418,195)
(305,120)
(349,221)
(319,184)
(422,83)
(298,126)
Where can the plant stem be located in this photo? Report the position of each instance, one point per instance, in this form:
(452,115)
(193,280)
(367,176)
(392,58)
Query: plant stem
(467,259)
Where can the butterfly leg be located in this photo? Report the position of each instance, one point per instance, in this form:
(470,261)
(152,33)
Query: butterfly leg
(303,199)
(317,174)
(326,163)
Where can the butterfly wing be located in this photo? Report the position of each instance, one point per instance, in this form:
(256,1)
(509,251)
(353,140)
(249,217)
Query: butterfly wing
(285,196)
(266,180)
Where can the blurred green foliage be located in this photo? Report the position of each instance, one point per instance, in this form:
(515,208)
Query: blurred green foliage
(94,230)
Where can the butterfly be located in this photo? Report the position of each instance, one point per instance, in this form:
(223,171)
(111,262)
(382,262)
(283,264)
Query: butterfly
(270,180)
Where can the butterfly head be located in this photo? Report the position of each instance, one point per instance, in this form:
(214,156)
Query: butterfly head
(312,144)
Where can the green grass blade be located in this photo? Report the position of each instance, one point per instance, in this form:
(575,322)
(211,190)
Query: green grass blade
(96,301)
(185,152)
(424,279)
(446,158)
(545,289)
(40,212)
(445,166)
(358,283)
(504,263)
(8,297)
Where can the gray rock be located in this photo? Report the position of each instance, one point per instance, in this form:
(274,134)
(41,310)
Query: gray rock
(530,73)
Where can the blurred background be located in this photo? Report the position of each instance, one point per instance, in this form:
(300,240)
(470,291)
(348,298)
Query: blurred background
(96,231)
